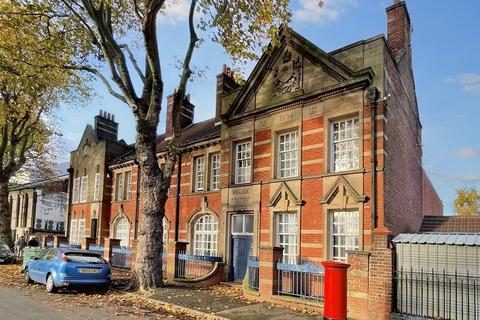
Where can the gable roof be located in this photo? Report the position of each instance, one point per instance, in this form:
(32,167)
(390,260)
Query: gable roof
(450,224)
(288,36)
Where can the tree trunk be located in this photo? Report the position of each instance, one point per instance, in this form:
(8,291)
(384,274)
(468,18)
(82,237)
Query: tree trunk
(5,217)
(148,273)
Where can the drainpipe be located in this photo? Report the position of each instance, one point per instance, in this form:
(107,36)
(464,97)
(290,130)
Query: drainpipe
(137,199)
(372,97)
(177,199)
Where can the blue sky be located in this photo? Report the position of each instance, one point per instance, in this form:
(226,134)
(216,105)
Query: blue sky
(446,44)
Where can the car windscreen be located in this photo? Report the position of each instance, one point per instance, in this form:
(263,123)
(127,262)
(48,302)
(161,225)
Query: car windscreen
(83,257)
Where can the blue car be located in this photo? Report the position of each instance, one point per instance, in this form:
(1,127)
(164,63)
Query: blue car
(60,267)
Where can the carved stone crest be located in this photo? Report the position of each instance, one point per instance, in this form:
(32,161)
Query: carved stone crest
(287,76)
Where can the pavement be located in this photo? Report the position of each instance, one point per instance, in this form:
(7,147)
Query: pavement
(224,302)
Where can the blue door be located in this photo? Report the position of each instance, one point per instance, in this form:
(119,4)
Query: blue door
(242,249)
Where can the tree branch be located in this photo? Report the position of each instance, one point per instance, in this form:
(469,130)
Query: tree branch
(100,76)
(134,61)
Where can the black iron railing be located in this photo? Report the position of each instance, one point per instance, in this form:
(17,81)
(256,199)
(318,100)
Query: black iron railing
(437,295)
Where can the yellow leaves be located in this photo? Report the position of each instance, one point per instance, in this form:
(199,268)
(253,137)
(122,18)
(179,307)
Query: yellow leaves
(467,202)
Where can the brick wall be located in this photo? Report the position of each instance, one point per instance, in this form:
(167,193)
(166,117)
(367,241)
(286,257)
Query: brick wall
(432,205)
(403,163)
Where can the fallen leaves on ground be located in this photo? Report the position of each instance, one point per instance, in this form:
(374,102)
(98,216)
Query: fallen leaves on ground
(124,303)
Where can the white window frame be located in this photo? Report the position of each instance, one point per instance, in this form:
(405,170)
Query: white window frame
(81,230)
(345,138)
(344,233)
(123,233)
(288,154)
(244,225)
(76,190)
(205,234)
(215,171)
(73,231)
(127,189)
(119,186)
(199,173)
(96,189)
(243,162)
(286,235)
(84,188)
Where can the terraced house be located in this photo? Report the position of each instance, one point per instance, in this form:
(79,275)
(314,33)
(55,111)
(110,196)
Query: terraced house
(316,153)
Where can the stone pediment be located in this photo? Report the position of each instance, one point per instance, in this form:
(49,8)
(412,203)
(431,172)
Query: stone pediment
(293,69)
(284,199)
(342,192)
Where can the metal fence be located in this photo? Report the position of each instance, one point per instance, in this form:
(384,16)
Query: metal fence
(304,281)
(253,277)
(96,248)
(122,257)
(438,295)
(192,266)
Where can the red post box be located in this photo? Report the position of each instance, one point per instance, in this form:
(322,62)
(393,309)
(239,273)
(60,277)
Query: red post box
(335,292)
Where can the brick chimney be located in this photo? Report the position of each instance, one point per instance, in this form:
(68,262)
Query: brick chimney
(399,30)
(225,84)
(105,126)
(186,114)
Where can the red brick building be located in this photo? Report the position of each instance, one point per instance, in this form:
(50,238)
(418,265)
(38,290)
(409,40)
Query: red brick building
(318,153)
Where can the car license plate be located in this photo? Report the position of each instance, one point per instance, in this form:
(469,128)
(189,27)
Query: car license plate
(89,270)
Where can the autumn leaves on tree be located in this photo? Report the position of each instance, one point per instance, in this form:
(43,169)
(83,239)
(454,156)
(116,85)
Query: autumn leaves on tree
(95,38)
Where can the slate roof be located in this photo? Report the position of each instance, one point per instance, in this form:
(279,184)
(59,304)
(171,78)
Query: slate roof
(195,133)
(450,224)
(463,239)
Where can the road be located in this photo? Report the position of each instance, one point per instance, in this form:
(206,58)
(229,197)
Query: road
(17,305)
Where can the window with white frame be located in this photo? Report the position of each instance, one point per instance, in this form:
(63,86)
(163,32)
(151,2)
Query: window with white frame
(344,234)
(215,171)
(96,189)
(165,225)
(199,173)
(205,236)
(345,149)
(73,232)
(242,224)
(122,231)
(81,230)
(77,231)
(76,190)
(128,186)
(83,189)
(286,235)
(287,155)
(118,187)
(243,162)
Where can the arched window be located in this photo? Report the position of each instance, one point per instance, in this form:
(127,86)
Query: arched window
(205,236)
(122,231)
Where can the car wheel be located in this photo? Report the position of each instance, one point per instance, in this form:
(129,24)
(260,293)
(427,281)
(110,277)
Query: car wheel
(50,284)
(26,275)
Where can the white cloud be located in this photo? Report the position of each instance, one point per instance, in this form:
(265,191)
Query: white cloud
(465,179)
(470,82)
(467,152)
(175,11)
(320,11)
